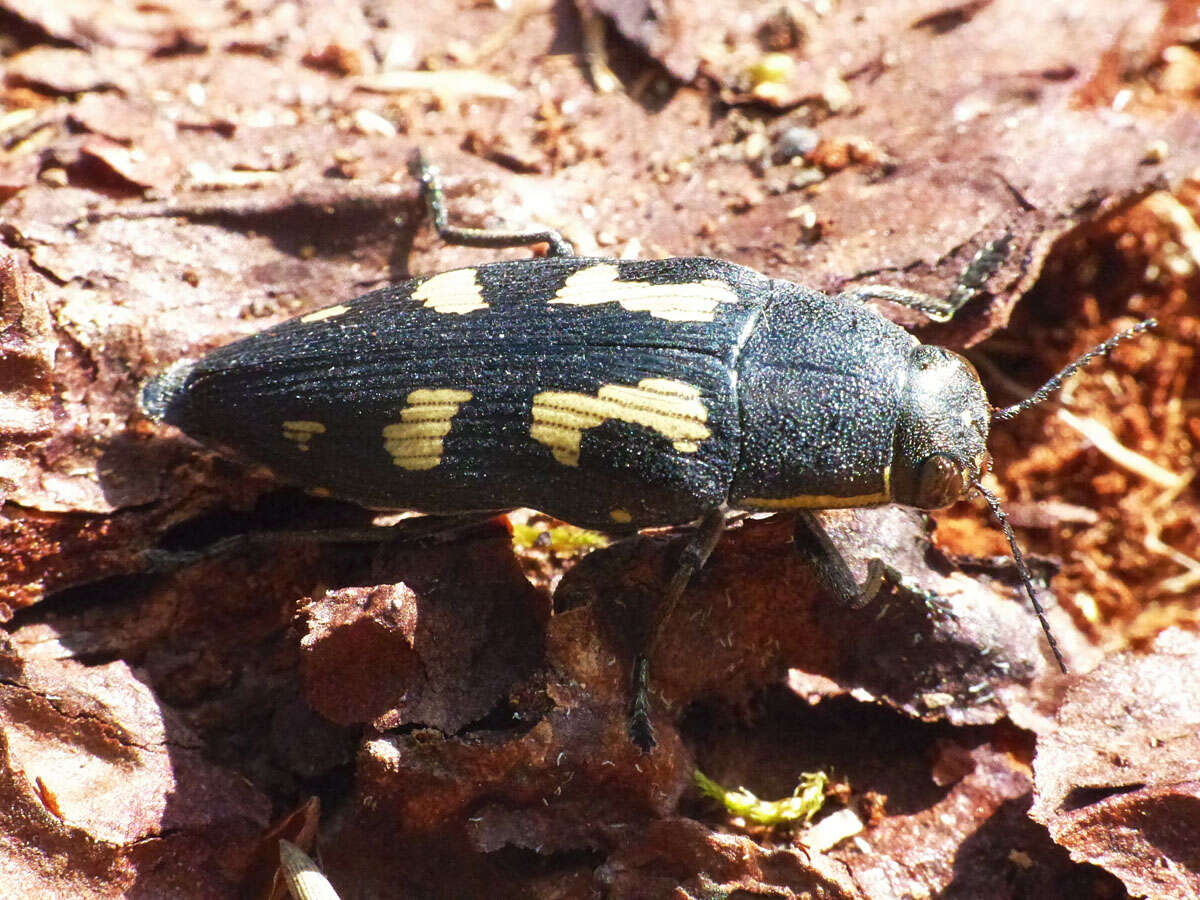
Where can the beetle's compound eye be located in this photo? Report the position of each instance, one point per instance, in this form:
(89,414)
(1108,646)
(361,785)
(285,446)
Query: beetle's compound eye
(940,482)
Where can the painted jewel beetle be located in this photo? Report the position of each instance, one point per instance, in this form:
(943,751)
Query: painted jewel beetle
(612,394)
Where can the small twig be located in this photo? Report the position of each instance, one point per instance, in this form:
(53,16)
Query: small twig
(1178,217)
(595,53)
(525,11)
(1153,542)
(462,82)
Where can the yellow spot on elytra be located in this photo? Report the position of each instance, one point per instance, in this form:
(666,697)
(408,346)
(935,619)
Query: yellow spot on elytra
(693,301)
(672,408)
(455,292)
(620,515)
(329,312)
(300,432)
(415,442)
(822,501)
(319,492)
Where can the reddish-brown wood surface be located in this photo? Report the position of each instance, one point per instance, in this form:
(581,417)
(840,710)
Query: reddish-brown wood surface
(178,174)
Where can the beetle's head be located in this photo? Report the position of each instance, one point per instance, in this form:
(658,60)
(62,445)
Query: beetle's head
(940,449)
(941,438)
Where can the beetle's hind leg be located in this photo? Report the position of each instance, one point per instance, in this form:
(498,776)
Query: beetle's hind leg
(970,284)
(435,203)
(691,560)
(157,561)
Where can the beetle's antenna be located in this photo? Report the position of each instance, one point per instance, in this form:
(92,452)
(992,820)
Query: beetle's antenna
(1056,382)
(1022,569)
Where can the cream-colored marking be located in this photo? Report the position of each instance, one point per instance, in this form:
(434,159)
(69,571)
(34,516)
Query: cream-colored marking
(822,501)
(319,492)
(455,292)
(329,312)
(302,432)
(672,408)
(693,301)
(415,442)
(620,515)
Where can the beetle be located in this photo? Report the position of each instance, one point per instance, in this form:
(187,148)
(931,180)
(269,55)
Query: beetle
(612,394)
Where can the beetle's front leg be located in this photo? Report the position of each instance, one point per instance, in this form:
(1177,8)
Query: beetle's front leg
(827,563)
(942,309)
(834,575)
(691,560)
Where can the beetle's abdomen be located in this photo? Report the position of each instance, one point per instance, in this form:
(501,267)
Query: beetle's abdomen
(512,384)
(820,387)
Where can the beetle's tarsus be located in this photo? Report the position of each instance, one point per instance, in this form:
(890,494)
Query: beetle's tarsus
(834,575)
(641,729)
(494,238)
(969,285)
(971,281)
(877,573)
(931,600)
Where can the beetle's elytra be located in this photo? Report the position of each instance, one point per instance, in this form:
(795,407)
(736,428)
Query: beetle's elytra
(609,394)
(612,394)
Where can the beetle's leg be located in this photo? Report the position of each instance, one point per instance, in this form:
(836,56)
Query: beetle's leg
(931,600)
(972,280)
(834,575)
(157,561)
(435,203)
(428,528)
(691,560)
(641,729)
(941,309)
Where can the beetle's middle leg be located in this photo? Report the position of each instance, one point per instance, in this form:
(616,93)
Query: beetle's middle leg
(970,284)
(691,560)
(435,203)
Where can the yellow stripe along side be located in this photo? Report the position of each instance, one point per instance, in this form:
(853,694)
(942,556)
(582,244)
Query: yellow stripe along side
(821,501)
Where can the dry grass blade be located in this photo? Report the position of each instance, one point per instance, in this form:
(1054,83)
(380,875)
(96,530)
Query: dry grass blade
(304,878)
(1106,442)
